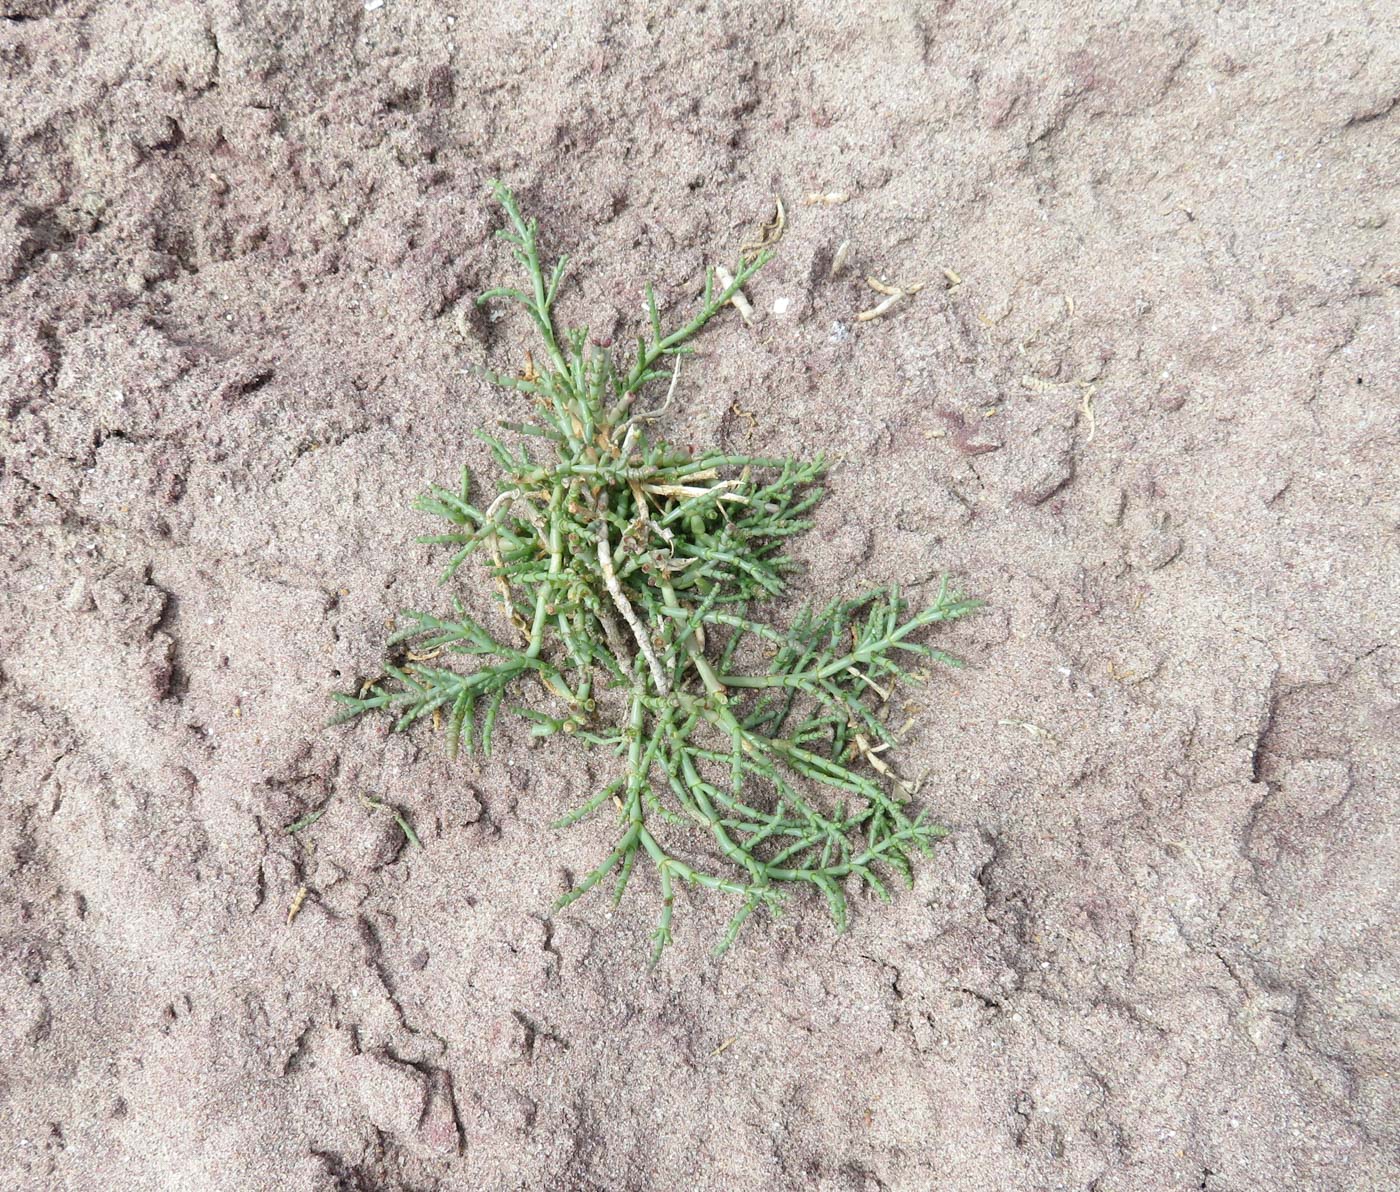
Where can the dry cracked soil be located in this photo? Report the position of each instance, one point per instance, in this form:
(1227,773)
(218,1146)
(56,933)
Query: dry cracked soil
(1145,405)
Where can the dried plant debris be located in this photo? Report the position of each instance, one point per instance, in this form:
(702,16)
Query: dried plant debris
(838,260)
(632,571)
(891,295)
(741,303)
(769,234)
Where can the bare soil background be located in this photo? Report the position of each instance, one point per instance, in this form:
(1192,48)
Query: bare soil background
(1155,426)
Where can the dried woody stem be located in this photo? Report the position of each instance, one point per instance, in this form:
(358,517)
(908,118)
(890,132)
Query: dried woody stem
(780,769)
(624,606)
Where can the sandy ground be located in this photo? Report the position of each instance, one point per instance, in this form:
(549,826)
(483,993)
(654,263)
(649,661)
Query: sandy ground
(1155,426)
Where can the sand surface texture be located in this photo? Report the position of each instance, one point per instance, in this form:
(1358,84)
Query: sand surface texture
(1145,405)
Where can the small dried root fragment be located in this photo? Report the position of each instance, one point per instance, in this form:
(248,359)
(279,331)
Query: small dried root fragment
(746,414)
(838,262)
(831,198)
(892,296)
(295,909)
(1086,407)
(769,234)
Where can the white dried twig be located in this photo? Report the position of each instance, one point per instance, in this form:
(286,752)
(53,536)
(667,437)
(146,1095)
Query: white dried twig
(893,294)
(739,302)
(624,606)
(838,262)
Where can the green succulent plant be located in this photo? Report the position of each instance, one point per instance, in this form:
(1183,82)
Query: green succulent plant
(631,573)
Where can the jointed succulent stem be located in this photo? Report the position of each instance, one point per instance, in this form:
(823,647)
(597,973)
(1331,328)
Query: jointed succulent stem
(629,561)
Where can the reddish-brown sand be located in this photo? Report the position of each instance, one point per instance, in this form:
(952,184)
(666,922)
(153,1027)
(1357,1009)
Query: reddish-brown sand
(1154,424)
